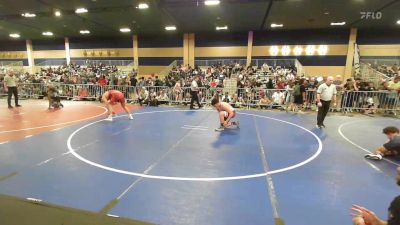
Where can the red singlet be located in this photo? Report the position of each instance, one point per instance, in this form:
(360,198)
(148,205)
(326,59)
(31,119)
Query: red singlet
(116,96)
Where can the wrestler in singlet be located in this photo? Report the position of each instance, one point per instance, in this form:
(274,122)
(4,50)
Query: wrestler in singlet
(226,114)
(115,96)
(112,97)
(227,108)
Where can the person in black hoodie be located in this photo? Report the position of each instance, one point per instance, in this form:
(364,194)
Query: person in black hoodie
(133,81)
(158,82)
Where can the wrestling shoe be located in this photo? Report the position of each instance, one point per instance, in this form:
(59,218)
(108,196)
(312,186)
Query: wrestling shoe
(109,118)
(318,126)
(238,124)
(373,156)
(323,125)
(221,128)
(130,117)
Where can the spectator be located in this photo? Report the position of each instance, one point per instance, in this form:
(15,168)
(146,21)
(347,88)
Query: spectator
(143,96)
(234,101)
(310,93)
(162,98)
(153,101)
(368,99)
(280,84)
(158,82)
(264,102)
(299,92)
(226,98)
(265,67)
(348,100)
(133,80)
(142,82)
(394,88)
(150,82)
(278,98)
(364,216)
(394,85)
(178,91)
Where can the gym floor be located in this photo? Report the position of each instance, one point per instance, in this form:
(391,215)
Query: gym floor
(169,166)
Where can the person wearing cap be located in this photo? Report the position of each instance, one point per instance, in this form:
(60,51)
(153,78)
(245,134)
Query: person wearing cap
(326,93)
(10,86)
(364,216)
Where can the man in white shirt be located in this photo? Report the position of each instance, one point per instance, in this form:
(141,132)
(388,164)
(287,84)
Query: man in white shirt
(326,94)
(265,67)
(290,76)
(278,97)
(10,86)
(194,91)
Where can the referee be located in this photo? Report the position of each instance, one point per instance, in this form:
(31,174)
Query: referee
(326,94)
(194,92)
(10,85)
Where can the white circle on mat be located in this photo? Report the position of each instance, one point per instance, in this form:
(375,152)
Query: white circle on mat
(204,179)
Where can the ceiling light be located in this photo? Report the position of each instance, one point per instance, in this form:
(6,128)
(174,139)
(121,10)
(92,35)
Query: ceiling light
(222,28)
(84,31)
(28,14)
(47,33)
(81,10)
(274,50)
(125,30)
(211,2)
(143,6)
(310,50)
(286,50)
(273,25)
(57,13)
(297,50)
(398,22)
(170,28)
(322,50)
(338,23)
(15,35)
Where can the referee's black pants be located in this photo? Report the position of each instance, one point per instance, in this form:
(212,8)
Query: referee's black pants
(11,91)
(322,111)
(195,98)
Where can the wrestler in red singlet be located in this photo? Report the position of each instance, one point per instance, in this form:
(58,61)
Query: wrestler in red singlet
(113,97)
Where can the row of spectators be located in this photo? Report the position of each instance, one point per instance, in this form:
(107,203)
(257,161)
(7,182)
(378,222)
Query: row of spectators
(74,74)
(388,70)
(182,75)
(215,75)
(286,89)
